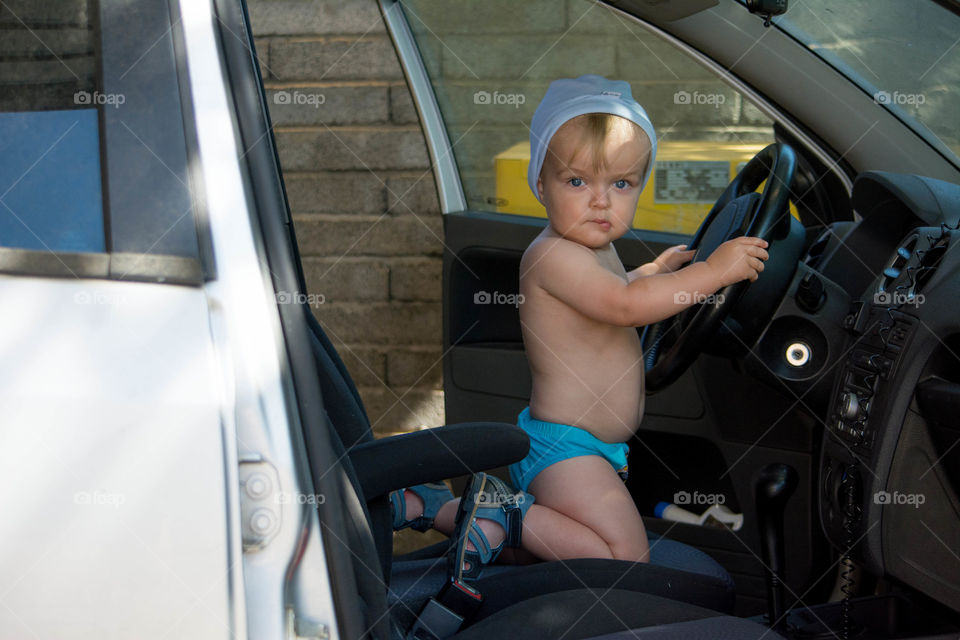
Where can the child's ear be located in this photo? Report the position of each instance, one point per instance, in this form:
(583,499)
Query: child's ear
(540,188)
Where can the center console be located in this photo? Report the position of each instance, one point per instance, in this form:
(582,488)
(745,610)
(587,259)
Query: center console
(862,424)
(857,410)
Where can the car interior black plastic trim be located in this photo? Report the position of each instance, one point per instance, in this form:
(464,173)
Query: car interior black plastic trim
(422,456)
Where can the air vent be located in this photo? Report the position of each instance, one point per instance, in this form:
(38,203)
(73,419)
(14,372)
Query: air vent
(896,278)
(928,261)
(816,250)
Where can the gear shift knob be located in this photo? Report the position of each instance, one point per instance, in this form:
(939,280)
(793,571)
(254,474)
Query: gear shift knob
(772,489)
(774,485)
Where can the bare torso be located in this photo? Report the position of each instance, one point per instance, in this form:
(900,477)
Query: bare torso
(586,373)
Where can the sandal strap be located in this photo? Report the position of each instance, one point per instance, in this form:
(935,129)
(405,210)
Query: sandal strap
(513,506)
(458,555)
(482,545)
(399,506)
(514,516)
(433,494)
(502,505)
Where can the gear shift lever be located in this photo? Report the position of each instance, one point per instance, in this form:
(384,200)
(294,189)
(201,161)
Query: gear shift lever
(773,487)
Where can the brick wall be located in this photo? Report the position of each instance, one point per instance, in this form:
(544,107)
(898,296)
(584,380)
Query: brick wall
(362,195)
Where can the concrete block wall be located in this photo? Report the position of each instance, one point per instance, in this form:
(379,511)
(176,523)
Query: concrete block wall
(363,198)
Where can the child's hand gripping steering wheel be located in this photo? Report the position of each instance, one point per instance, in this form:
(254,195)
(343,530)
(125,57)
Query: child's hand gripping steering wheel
(739,211)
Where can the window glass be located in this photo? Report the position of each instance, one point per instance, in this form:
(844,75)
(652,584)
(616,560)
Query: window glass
(50,178)
(490,71)
(92,142)
(902,52)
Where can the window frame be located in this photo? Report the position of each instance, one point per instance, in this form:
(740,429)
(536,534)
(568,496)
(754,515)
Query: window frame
(192,266)
(446,171)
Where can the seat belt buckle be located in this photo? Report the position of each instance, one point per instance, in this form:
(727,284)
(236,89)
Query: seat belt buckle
(444,613)
(460,596)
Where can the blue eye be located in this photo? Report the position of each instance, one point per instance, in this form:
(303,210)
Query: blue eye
(576,182)
(621,184)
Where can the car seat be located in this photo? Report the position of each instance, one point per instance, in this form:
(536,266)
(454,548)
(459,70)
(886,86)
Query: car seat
(677,571)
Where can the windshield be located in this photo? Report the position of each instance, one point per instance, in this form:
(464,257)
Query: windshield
(904,53)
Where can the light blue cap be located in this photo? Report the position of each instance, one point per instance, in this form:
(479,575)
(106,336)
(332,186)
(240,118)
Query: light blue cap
(568,98)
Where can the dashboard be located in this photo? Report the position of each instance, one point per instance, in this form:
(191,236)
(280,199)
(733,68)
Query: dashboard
(889,474)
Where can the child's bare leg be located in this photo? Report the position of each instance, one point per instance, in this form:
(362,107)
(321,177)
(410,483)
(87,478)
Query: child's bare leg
(446,519)
(583,510)
(584,493)
(517,556)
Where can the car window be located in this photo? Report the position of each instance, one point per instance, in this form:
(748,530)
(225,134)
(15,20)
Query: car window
(903,54)
(93,144)
(490,72)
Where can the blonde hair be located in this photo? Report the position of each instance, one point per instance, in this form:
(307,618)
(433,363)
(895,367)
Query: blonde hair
(594,129)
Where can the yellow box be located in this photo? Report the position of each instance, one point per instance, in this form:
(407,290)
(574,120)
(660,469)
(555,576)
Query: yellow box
(687,179)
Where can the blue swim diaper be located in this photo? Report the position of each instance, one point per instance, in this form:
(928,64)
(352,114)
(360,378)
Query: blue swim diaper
(551,442)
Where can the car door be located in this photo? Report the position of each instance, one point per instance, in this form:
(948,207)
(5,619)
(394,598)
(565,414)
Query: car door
(477,82)
(117,513)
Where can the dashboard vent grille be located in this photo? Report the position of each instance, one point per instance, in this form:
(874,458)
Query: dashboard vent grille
(911,268)
(928,261)
(896,278)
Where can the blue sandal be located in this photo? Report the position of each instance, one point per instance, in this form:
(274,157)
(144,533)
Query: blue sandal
(434,496)
(487,497)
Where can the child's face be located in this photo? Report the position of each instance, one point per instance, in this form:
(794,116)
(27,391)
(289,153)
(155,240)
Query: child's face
(588,206)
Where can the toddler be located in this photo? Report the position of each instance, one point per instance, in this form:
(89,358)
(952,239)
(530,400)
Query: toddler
(592,148)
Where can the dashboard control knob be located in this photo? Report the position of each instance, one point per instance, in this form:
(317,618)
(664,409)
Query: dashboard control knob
(849,405)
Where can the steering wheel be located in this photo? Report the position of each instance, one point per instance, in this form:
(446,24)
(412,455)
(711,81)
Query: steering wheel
(739,211)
